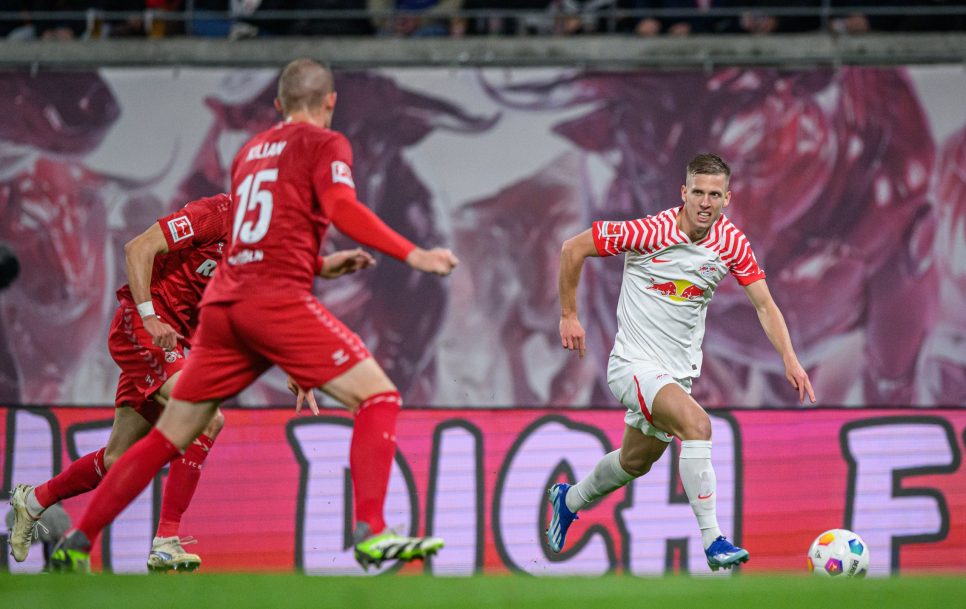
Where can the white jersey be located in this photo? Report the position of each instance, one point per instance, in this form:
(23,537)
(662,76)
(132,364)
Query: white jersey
(667,285)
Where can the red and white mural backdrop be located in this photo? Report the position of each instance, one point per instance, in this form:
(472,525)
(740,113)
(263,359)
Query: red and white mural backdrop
(849,183)
(478,478)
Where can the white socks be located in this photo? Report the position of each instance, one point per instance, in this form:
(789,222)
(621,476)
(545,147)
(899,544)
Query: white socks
(697,475)
(699,481)
(33,506)
(608,476)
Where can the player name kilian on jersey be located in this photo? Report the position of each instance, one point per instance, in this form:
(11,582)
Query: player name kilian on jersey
(265,150)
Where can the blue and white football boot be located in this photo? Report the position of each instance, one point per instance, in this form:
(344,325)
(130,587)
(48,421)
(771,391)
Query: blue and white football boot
(562,517)
(722,554)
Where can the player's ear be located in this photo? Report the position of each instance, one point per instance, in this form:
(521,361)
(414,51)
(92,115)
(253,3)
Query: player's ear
(684,193)
(330,100)
(727,200)
(278,106)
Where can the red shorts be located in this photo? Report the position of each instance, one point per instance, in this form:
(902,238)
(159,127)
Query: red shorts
(238,341)
(144,367)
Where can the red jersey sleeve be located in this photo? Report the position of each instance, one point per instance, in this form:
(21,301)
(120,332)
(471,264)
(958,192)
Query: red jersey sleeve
(199,222)
(333,173)
(335,188)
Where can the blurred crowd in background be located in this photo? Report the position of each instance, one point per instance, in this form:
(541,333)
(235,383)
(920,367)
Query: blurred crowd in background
(69,19)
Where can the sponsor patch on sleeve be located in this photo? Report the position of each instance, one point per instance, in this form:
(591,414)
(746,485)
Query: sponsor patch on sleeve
(612,230)
(342,173)
(180,228)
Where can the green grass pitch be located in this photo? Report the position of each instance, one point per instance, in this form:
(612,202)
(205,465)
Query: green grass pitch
(265,591)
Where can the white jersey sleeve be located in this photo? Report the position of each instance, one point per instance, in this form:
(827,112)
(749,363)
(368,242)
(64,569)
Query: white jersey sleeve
(641,236)
(734,250)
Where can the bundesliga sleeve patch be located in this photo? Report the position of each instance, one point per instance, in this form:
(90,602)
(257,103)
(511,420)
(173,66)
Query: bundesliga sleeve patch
(180,228)
(611,230)
(342,173)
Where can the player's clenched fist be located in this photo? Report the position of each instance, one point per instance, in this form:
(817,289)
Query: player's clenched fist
(438,260)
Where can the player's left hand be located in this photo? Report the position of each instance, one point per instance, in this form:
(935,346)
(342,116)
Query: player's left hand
(345,262)
(439,260)
(302,396)
(798,379)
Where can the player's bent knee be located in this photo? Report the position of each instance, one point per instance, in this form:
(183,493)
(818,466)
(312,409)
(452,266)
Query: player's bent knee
(181,422)
(216,424)
(361,382)
(698,428)
(111,457)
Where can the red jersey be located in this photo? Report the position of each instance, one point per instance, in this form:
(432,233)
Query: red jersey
(196,234)
(289,183)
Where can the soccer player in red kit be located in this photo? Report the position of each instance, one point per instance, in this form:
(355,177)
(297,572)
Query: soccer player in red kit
(168,267)
(289,183)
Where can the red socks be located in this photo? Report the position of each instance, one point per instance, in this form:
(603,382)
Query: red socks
(126,479)
(81,476)
(370,456)
(86,473)
(183,476)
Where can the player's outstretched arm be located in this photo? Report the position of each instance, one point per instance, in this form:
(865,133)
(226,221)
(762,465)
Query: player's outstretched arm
(345,262)
(439,260)
(773,323)
(359,223)
(139,254)
(572,255)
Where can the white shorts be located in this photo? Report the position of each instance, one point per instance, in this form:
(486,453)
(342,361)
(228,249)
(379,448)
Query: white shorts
(636,384)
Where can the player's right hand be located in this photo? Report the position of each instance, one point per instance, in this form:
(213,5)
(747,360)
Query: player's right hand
(438,260)
(798,379)
(302,396)
(572,335)
(345,262)
(162,334)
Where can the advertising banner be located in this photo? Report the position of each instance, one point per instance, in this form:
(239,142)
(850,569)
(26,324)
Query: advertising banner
(275,493)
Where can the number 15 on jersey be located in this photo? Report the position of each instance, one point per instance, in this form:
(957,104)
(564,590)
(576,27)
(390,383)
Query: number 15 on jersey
(251,196)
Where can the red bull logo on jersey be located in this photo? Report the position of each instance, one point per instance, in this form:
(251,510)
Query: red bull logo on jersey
(708,271)
(692,292)
(678,290)
(667,288)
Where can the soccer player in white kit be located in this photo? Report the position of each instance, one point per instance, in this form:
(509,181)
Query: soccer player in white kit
(673,262)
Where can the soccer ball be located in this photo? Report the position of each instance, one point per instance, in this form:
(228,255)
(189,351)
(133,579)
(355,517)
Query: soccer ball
(838,552)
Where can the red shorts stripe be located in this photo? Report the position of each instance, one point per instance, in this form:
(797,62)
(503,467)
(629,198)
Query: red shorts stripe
(640,398)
